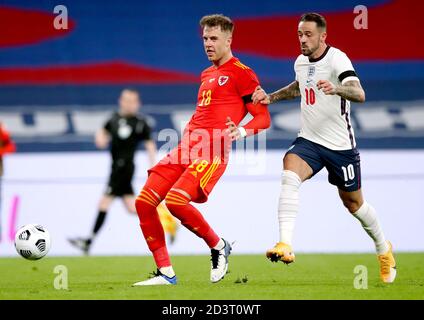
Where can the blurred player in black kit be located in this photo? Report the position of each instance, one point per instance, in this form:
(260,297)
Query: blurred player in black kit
(123,132)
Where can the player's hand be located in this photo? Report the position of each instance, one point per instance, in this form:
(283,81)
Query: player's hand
(327,87)
(232,130)
(260,96)
(101,139)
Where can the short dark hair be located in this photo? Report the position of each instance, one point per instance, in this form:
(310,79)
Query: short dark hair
(315,17)
(132,90)
(214,20)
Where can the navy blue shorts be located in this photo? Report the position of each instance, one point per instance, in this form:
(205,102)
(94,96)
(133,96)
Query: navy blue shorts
(344,167)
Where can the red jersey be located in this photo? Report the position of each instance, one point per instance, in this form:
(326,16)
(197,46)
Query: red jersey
(6,143)
(6,146)
(221,95)
(199,161)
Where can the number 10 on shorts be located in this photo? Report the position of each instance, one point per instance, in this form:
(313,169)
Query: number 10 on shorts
(348,172)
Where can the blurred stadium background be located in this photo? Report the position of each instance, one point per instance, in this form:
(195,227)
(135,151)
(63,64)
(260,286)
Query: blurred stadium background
(58,86)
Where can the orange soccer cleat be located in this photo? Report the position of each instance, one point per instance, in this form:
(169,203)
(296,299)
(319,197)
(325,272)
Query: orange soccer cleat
(387,265)
(281,252)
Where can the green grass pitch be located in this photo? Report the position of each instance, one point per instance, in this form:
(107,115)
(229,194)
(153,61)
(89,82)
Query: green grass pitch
(313,276)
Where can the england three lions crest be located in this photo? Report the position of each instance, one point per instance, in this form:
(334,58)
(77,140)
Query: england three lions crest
(311,71)
(223,80)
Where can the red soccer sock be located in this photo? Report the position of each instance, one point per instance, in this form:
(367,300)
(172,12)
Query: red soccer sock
(151,226)
(190,217)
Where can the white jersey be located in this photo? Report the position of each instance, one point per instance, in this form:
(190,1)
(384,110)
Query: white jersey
(325,119)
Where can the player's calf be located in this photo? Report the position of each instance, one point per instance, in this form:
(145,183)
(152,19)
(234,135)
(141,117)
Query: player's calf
(178,203)
(151,226)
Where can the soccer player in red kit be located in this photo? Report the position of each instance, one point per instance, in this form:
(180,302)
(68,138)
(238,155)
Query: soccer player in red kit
(191,170)
(6,146)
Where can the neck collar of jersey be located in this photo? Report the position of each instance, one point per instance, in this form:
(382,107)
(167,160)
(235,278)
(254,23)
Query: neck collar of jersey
(232,59)
(321,56)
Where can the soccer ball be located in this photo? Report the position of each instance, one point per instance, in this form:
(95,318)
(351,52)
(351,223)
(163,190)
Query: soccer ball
(32,241)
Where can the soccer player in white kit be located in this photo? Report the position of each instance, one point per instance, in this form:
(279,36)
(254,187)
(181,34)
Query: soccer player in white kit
(326,82)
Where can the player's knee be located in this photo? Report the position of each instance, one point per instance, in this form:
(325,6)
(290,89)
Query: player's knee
(352,205)
(291,179)
(104,203)
(146,202)
(176,198)
(131,207)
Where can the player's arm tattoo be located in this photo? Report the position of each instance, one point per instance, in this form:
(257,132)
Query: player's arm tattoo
(351,91)
(288,92)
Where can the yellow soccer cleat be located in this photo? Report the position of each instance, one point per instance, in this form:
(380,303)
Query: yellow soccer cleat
(281,252)
(387,265)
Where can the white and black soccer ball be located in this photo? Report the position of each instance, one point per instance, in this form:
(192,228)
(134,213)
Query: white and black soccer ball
(32,241)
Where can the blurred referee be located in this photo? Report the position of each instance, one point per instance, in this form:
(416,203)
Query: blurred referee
(123,132)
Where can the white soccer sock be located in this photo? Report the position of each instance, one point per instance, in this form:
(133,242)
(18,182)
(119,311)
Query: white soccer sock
(288,205)
(167,271)
(368,218)
(220,245)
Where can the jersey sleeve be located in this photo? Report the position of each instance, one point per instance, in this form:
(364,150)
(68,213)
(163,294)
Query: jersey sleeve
(143,130)
(343,68)
(108,125)
(295,69)
(261,118)
(247,81)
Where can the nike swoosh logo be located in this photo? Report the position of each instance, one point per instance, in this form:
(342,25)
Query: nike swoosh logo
(349,185)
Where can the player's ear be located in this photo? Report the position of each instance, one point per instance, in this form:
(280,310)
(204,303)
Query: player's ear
(229,39)
(323,36)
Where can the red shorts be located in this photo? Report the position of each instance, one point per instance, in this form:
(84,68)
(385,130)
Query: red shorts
(194,166)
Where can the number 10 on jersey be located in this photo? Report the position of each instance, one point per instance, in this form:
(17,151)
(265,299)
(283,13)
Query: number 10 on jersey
(309,96)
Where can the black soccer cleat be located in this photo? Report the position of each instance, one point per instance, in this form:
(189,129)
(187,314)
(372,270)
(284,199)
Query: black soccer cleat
(81,244)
